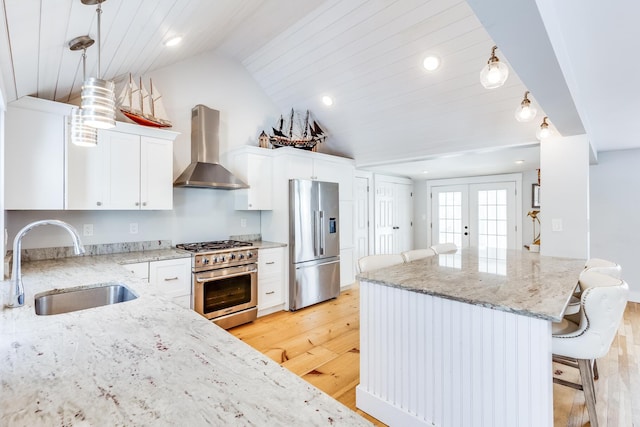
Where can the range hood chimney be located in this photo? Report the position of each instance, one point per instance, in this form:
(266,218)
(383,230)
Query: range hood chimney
(205,171)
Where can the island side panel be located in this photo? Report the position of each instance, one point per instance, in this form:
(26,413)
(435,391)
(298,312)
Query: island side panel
(430,361)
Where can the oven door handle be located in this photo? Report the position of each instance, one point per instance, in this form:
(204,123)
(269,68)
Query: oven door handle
(211,279)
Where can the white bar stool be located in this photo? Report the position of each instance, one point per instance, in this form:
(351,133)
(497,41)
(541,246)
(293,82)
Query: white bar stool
(417,254)
(375,262)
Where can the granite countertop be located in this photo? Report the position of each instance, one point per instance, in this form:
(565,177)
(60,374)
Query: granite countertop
(141,362)
(525,283)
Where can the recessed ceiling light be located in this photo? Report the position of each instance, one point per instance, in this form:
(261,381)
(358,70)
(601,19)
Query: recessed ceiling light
(431,63)
(173,41)
(519,162)
(425,171)
(327,100)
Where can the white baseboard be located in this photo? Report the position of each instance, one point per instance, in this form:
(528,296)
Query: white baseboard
(385,411)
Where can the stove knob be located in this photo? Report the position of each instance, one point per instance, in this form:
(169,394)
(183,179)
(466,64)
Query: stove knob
(241,256)
(222,258)
(205,261)
(215,259)
(232,257)
(249,254)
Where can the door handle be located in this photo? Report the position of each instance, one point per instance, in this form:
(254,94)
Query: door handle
(322,238)
(396,228)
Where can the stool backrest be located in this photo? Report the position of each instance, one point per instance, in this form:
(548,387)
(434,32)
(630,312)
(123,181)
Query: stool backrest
(417,254)
(443,248)
(603,266)
(374,262)
(603,301)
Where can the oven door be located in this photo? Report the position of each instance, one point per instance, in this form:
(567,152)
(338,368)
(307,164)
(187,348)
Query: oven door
(225,291)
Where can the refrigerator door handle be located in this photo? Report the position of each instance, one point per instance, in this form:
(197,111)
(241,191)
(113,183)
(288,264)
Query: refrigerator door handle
(315,233)
(322,236)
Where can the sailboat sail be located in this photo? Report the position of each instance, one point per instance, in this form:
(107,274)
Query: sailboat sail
(142,107)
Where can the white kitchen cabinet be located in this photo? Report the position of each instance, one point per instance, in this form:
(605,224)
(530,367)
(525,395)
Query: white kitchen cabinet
(139,269)
(271,280)
(34,154)
(172,277)
(254,166)
(126,171)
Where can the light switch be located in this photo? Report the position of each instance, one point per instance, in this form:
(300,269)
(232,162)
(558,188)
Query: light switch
(87,229)
(133,228)
(556,224)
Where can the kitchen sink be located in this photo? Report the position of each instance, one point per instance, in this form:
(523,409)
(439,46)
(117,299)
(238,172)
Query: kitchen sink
(74,299)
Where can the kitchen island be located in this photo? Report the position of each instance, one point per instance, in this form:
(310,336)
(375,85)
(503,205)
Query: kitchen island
(142,362)
(462,339)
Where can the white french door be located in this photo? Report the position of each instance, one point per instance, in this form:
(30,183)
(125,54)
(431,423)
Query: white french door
(362,217)
(478,215)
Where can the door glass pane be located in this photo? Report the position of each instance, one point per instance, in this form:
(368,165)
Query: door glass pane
(492,225)
(450,221)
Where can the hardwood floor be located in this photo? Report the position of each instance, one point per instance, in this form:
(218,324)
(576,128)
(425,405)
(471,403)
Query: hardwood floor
(321,345)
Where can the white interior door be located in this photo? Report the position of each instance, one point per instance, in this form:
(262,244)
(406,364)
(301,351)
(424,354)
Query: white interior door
(478,215)
(403,206)
(450,215)
(362,217)
(385,221)
(493,217)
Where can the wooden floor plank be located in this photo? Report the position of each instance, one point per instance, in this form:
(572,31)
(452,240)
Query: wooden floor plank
(321,344)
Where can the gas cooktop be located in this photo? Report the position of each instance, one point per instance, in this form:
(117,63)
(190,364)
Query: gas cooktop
(213,246)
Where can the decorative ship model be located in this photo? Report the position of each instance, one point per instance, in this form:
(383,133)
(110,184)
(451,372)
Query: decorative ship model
(143,107)
(298,134)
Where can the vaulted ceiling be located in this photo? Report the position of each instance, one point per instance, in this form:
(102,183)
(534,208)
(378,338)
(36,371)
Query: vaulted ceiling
(366,54)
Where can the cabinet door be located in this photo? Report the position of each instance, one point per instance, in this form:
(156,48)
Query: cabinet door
(34,159)
(299,167)
(156,173)
(256,171)
(86,181)
(172,277)
(341,173)
(122,167)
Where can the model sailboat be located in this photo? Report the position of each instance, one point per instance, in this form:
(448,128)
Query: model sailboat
(143,107)
(298,133)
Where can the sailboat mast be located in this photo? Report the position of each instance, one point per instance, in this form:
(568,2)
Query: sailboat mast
(130,91)
(153,107)
(291,124)
(306,124)
(141,100)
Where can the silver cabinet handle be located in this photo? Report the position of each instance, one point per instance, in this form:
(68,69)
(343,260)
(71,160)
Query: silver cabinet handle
(269,293)
(99,203)
(171,278)
(271,262)
(144,203)
(137,203)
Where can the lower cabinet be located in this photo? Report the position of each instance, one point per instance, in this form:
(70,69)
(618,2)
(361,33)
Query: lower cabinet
(271,274)
(172,277)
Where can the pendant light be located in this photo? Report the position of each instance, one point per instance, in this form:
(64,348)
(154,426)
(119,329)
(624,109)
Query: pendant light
(80,133)
(526,112)
(98,95)
(544,131)
(495,73)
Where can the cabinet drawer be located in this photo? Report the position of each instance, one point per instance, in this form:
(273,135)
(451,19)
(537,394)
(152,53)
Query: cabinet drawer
(270,292)
(270,261)
(172,277)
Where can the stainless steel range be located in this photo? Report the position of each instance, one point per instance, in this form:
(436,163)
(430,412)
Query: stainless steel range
(225,281)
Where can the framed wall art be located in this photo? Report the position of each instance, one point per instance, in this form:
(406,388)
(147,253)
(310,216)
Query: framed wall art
(535,196)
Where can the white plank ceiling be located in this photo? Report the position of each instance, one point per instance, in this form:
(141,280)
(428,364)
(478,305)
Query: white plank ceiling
(366,54)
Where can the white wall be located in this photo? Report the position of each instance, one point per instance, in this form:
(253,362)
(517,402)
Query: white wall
(614,204)
(564,196)
(199,214)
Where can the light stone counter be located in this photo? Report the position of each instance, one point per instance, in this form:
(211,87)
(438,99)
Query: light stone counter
(142,362)
(471,333)
(524,283)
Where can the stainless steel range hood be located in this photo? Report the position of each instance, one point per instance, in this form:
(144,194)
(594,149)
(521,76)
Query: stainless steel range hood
(205,171)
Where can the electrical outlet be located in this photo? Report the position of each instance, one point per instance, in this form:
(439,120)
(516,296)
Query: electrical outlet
(133,228)
(87,229)
(556,224)
(243,222)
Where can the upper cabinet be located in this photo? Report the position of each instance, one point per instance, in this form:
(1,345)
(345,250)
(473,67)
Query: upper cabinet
(34,154)
(131,168)
(126,171)
(254,166)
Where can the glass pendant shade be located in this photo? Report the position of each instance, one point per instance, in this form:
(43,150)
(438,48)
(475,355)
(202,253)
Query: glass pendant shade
(544,131)
(98,103)
(82,135)
(495,73)
(525,112)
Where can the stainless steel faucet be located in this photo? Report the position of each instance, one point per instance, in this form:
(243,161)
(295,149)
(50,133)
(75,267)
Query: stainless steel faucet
(16,297)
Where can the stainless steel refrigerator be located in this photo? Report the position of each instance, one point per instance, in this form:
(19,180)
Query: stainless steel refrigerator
(314,242)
